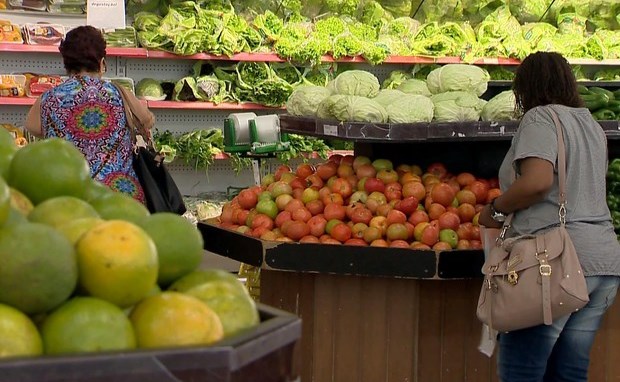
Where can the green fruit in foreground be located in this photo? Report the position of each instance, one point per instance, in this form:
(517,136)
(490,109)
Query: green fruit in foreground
(75,229)
(20,202)
(61,210)
(7,151)
(236,311)
(96,189)
(5,201)
(49,168)
(179,245)
(39,268)
(18,334)
(87,324)
(202,276)
(117,206)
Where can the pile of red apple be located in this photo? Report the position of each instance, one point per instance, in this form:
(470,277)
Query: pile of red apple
(355,201)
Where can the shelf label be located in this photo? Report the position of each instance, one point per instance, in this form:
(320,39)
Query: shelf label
(330,130)
(105,13)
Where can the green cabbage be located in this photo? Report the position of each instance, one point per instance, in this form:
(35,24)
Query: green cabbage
(457,106)
(150,89)
(324,110)
(410,109)
(388,96)
(458,77)
(305,100)
(358,109)
(356,83)
(414,86)
(500,108)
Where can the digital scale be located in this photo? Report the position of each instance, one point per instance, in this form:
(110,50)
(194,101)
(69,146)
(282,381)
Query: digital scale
(249,133)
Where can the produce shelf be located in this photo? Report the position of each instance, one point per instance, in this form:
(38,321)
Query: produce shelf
(342,259)
(17,101)
(413,132)
(224,156)
(111,51)
(273,57)
(261,354)
(208,105)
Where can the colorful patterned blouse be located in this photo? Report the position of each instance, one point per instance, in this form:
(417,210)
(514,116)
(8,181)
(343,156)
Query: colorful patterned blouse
(88,112)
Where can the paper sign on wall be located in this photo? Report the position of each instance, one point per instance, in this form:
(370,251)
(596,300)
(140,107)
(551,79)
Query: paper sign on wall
(106,13)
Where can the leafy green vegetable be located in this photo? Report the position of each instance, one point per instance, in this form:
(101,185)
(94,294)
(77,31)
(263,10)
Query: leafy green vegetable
(388,96)
(305,100)
(457,106)
(356,83)
(410,109)
(415,86)
(395,79)
(500,73)
(301,146)
(502,107)
(358,109)
(149,88)
(458,77)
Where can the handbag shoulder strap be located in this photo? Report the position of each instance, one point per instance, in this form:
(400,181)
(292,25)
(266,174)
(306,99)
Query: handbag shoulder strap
(133,122)
(561,166)
(561,171)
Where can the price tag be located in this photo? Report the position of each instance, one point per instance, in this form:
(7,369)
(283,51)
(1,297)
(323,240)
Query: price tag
(330,130)
(105,13)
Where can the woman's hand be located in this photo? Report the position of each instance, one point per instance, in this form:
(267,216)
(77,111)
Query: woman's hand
(486,220)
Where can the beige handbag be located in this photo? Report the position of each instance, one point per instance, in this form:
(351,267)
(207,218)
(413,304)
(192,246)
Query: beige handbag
(533,279)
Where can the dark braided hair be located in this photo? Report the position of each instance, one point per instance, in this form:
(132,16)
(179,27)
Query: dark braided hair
(82,49)
(545,78)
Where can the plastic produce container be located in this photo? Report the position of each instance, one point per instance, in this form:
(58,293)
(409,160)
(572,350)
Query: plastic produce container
(261,354)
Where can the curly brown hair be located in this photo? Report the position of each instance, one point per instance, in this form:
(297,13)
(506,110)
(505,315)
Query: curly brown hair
(545,78)
(82,49)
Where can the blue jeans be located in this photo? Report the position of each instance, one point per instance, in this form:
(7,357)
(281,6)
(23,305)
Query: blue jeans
(559,352)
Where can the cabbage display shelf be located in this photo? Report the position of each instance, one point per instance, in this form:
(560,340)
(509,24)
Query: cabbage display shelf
(413,132)
(259,354)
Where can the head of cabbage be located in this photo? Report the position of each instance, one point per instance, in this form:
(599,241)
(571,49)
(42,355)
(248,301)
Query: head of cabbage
(149,89)
(356,83)
(305,100)
(500,108)
(388,96)
(411,108)
(414,86)
(457,106)
(358,109)
(324,110)
(458,77)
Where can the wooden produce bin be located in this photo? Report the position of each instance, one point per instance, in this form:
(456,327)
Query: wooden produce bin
(385,314)
(259,354)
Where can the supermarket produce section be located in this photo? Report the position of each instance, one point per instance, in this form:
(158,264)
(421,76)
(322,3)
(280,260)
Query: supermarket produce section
(360,216)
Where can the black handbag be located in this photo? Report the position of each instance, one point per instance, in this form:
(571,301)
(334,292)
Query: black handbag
(160,190)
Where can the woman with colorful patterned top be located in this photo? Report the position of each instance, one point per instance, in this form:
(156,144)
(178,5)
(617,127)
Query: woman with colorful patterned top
(89,112)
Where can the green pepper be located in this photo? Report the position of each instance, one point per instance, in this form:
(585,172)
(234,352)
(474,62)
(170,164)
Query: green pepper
(595,101)
(599,90)
(604,115)
(582,90)
(614,105)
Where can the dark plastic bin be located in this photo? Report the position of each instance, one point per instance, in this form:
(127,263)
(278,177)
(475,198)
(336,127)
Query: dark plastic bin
(260,354)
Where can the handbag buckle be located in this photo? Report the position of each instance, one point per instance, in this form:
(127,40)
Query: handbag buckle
(545,269)
(513,277)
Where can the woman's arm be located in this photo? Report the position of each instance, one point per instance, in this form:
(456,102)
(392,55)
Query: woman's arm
(33,120)
(531,187)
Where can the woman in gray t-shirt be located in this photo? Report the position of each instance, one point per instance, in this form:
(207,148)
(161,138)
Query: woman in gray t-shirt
(558,352)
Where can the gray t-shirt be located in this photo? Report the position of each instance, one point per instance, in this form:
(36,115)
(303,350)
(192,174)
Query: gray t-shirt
(588,220)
